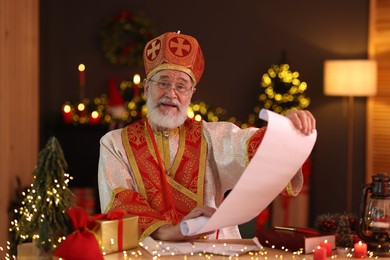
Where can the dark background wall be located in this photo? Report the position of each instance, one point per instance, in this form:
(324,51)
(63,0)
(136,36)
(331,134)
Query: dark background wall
(240,42)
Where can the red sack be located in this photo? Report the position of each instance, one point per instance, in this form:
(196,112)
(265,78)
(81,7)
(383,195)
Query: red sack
(81,244)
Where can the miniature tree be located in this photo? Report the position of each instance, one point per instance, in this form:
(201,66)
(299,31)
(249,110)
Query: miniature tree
(281,90)
(41,216)
(344,232)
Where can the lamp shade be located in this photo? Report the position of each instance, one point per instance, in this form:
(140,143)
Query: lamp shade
(350,77)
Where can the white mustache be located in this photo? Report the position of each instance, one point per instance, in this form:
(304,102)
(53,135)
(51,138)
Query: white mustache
(167,100)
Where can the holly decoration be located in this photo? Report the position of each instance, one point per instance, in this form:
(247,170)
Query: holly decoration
(342,224)
(331,221)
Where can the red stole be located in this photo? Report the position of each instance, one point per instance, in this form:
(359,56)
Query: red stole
(153,201)
(254,142)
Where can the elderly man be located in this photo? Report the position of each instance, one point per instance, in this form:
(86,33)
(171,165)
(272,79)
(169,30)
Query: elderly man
(168,168)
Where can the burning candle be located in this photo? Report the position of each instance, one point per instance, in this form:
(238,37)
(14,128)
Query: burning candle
(67,113)
(328,246)
(360,250)
(94,117)
(82,81)
(319,253)
(136,81)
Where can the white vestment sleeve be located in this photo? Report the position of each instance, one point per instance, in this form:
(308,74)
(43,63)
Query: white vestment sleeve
(113,170)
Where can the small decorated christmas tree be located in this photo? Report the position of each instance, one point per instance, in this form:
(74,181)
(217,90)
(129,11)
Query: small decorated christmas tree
(344,233)
(281,90)
(41,216)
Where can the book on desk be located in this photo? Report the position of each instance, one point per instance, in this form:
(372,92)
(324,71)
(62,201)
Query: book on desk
(294,239)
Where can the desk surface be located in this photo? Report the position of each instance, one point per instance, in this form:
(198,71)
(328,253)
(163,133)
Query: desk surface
(266,254)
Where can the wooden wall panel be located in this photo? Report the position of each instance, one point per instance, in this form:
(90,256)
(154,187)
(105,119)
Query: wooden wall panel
(378,108)
(19,90)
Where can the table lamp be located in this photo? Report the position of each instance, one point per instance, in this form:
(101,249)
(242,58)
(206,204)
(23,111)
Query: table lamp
(350,78)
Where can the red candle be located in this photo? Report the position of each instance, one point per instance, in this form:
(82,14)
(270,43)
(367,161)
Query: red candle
(82,81)
(360,250)
(94,118)
(136,81)
(319,253)
(67,114)
(328,246)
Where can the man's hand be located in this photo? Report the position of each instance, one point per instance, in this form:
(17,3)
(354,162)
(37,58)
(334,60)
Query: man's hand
(302,120)
(172,232)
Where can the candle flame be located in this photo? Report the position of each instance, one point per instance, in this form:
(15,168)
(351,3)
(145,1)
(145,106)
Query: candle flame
(95,114)
(81,67)
(67,109)
(136,79)
(81,107)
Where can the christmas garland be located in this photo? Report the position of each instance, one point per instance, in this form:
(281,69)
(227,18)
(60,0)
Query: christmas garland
(201,111)
(97,111)
(123,37)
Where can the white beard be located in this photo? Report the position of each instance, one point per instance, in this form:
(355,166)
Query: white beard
(167,119)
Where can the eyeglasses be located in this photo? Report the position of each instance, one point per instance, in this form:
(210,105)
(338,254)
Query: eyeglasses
(178,88)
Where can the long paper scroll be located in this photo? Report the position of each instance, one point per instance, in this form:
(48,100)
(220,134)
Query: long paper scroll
(279,157)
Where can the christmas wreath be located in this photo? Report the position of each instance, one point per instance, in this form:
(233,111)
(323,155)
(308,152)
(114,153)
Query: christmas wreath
(124,36)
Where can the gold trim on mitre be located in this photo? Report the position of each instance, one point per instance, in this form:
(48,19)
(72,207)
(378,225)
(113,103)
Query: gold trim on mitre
(169,66)
(174,51)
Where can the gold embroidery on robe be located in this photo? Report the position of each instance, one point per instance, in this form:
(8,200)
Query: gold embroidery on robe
(152,202)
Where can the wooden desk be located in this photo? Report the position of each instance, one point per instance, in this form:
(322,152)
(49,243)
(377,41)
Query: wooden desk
(266,254)
(263,254)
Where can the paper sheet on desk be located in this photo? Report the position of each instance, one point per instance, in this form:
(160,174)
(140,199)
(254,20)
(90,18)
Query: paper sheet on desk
(230,247)
(282,152)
